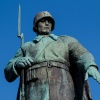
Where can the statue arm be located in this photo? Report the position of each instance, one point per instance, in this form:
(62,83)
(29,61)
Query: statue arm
(84,60)
(80,55)
(10,71)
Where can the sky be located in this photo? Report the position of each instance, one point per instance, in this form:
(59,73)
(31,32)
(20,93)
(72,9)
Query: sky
(77,18)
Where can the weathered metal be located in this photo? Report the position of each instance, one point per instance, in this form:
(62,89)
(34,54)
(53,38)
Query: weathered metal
(50,80)
(21,36)
(50,83)
(55,67)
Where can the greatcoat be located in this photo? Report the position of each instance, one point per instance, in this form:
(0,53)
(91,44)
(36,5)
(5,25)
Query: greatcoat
(58,71)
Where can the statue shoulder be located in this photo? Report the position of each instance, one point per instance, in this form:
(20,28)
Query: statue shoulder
(67,38)
(27,44)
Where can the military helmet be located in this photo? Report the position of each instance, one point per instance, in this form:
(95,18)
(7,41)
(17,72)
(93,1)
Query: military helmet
(39,16)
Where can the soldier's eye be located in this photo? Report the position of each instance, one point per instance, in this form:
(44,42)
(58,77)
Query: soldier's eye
(49,21)
(43,20)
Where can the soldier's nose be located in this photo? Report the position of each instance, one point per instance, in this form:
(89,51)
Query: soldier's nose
(46,22)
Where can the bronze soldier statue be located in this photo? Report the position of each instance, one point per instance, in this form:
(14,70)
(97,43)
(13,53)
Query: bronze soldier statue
(56,67)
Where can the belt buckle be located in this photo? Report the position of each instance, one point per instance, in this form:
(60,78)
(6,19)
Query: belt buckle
(48,64)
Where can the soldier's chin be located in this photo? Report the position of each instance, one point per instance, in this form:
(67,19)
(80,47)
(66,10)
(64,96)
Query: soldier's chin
(45,33)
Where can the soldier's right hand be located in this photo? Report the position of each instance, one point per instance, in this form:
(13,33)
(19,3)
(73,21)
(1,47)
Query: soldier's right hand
(23,62)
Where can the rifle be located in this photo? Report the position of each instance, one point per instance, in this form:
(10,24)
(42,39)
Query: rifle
(21,36)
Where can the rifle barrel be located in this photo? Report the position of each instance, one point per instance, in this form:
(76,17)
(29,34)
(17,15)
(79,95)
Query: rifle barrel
(19,20)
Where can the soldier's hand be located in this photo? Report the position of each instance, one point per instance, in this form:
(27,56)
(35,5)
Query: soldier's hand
(23,62)
(93,72)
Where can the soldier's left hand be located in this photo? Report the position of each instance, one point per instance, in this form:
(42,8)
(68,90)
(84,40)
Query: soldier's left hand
(93,72)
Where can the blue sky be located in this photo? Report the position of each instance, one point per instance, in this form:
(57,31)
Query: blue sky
(77,18)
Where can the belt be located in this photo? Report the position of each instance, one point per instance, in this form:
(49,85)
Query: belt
(50,64)
(30,72)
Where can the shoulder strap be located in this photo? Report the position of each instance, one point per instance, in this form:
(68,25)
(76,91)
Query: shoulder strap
(39,53)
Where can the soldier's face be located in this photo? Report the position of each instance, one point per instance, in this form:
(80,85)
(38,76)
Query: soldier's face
(44,26)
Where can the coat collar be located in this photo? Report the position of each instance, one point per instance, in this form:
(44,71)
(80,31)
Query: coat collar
(38,38)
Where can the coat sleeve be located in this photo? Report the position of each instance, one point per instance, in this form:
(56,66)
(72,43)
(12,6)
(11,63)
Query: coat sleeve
(10,71)
(80,55)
